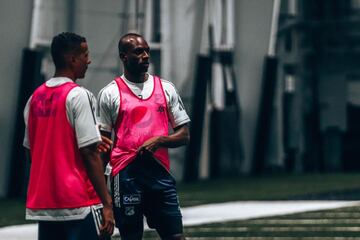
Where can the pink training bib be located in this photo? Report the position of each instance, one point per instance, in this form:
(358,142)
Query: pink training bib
(139,120)
(58,178)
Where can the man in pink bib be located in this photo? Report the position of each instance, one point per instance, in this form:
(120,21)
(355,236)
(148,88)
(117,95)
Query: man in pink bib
(66,186)
(138,107)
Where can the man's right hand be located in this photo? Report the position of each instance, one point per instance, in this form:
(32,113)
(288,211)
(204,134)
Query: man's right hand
(105,144)
(107,227)
(95,171)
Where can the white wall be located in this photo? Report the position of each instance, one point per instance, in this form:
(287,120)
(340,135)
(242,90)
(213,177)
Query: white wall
(181,22)
(251,43)
(100,23)
(181,44)
(15,21)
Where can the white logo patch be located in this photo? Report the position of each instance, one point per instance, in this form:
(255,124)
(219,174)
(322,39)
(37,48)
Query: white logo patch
(132,199)
(129,211)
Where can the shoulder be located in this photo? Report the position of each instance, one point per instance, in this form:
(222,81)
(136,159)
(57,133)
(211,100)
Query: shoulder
(26,109)
(79,99)
(169,88)
(167,84)
(109,91)
(79,93)
(109,87)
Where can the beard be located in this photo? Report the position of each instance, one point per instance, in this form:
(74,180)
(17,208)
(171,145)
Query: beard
(137,68)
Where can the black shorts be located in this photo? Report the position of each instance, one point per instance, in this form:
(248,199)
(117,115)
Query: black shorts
(83,229)
(145,188)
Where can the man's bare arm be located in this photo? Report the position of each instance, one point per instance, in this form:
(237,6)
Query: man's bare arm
(95,171)
(181,136)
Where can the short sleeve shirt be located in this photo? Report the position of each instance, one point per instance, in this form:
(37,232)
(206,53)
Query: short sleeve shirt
(80,107)
(109,102)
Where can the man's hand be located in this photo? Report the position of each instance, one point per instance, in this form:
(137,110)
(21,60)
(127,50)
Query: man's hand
(150,145)
(105,144)
(107,227)
(180,137)
(95,171)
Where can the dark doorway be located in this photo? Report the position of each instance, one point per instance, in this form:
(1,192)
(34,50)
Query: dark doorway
(351,144)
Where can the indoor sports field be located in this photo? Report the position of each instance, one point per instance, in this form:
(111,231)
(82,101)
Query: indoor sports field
(337,224)
(342,223)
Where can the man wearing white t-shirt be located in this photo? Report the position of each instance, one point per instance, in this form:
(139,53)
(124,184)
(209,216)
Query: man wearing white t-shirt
(139,107)
(66,186)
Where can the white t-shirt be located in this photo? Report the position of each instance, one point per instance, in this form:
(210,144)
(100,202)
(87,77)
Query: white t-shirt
(80,104)
(109,102)
(80,108)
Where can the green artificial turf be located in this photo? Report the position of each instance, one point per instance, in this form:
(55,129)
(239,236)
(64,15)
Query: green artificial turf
(337,224)
(12,212)
(274,187)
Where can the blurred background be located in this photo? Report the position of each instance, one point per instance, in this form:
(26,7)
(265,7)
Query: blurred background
(271,86)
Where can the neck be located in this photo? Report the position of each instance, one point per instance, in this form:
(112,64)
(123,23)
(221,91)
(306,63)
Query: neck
(136,78)
(65,73)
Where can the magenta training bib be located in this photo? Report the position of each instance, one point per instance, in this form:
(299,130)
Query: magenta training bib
(139,120)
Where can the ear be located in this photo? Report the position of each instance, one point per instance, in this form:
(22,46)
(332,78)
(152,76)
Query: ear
(72,58)
(123,56)
(69,59)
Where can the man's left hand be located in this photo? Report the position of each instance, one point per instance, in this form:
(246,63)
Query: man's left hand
(150,145)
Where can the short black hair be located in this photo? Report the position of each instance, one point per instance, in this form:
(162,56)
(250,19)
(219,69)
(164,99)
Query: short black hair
(123,44)
(63,43)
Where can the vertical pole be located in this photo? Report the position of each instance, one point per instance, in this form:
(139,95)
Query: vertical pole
(274,27)
(35,23)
